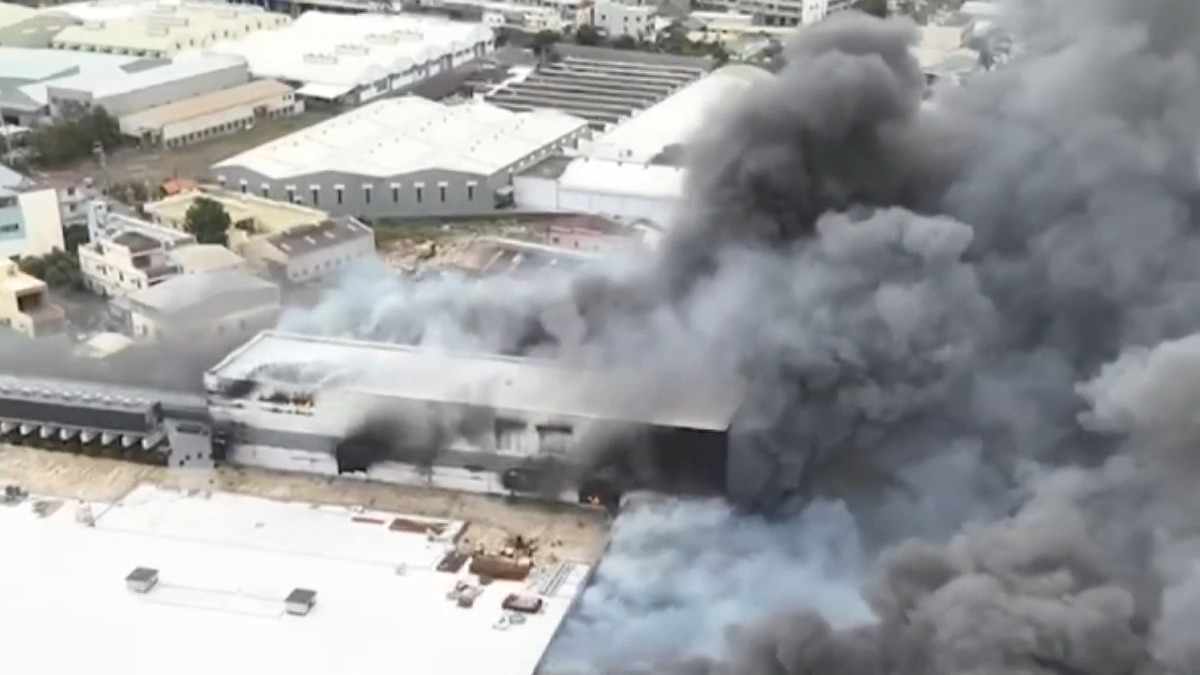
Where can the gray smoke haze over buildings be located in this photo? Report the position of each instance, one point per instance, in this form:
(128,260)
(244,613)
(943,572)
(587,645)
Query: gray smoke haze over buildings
(992,298)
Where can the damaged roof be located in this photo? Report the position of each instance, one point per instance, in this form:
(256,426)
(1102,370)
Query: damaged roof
(511,384)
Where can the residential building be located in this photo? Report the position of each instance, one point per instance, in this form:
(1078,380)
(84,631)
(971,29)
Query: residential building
(74,192)
(619,19)
(403,157)
(30,223)
(782,12)
(207,116)
(314,252)
(25,305)
(253,217)
(163,30)
(146,85)
(209,304)
(354,58)
(126,254)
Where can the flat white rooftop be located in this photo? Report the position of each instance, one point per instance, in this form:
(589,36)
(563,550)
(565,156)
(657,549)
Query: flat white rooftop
(399,136)
(225,564)
(504,383)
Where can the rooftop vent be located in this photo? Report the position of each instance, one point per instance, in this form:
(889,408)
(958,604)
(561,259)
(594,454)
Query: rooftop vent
(300,601)
(141,579)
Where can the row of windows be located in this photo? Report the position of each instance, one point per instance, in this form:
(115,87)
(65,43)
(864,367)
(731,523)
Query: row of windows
(394,191)
(228,127)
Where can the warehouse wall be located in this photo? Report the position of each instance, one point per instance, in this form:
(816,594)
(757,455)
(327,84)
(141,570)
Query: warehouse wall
(144,98)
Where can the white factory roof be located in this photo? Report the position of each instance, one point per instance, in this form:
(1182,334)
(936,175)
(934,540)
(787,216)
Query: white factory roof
(673,120)
(39,66)
(11,13)
(331,54)
(398,136)
(225,565)
(187,292)
(166,27)
(601,176)
(102,83)
(504,383)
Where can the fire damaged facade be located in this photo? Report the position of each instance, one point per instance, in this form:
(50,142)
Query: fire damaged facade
(474,422)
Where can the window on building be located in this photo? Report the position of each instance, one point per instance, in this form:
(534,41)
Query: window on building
(244,187)
(420,194)
(367,194)
(338,193)
(266,191)
(395,193)
(442,193)
(470,192)
(316,196)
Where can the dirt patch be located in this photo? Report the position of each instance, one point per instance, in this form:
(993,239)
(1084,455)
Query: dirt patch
(564,532)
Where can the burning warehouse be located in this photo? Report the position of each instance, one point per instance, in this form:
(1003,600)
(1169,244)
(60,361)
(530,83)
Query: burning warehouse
(467,421)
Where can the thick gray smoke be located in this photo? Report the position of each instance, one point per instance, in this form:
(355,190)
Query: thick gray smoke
(970,326)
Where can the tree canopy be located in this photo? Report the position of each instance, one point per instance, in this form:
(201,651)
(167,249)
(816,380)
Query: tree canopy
(58,268)
(207,220)
(74,138)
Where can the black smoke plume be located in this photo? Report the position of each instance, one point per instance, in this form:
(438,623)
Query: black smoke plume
(990,296)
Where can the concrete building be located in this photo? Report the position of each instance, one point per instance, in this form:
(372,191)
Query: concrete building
(403,157)
(126,254)
(163,30)
(253,217)
(25,305)
(620,19)
(22,26)
(355,58)
(153,83)
(209,304)
(207,116)
(74,190)
(782,12)
(603,86)
(30,223)
(204,258)
(298,400)
(314,252)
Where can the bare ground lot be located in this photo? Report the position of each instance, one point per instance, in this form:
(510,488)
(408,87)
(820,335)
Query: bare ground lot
(193,161)
(562,532)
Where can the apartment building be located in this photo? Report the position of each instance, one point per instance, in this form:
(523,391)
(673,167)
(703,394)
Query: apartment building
(126,254)
(25,304)
(781,12)
(621,19)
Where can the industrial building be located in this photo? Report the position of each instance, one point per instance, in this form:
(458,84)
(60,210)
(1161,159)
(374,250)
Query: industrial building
(165,29)
(203,305)
(30,223)
(148,83)
(253,217)
(313,253)
(602,86)
(208,116)
(25,306)
(486,423)
(24,73)
(22,26)
(354,58)
(403,157)
(634,170)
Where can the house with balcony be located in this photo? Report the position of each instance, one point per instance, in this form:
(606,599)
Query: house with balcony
(25,305)
(129,255)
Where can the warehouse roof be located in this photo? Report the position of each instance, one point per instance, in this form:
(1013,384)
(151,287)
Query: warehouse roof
(623,178)
(504,383)
(180,294)
(170,28)
(308,238)
(107,83)
(331,54)
(25,72)
(676,118)
(204,104)
(399,136)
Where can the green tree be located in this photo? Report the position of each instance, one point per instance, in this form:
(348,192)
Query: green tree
(588,35)
(207,220)
(873,7)
(58,268)
(75,137)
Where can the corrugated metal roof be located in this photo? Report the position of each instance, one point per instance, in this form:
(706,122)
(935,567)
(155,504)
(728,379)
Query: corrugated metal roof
(205,104)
